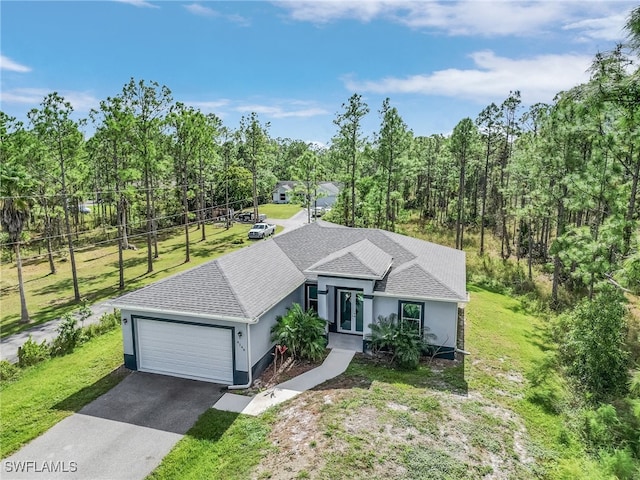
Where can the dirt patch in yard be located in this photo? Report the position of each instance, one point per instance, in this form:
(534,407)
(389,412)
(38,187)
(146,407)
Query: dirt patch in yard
(368,425)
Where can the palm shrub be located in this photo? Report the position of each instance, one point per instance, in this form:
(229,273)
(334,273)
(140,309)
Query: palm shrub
(404,344)
(302,332)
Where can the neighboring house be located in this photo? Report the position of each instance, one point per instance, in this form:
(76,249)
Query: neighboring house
(283,193)
(325,194)
(213,322)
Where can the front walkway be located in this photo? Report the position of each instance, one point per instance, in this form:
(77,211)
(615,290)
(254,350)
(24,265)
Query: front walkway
(335,364)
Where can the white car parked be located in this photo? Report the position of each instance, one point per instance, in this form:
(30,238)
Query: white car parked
(262,230)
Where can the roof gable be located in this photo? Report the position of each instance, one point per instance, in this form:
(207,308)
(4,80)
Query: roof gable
(414,281)
(361,259)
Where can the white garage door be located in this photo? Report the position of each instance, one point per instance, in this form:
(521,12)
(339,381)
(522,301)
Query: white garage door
(185,350)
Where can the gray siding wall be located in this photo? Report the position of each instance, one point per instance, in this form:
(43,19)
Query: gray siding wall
(440,317)
(261,342)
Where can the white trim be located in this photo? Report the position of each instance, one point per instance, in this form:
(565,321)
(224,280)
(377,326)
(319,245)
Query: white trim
(351,275)
(422,299)
(354,311)
(164,311)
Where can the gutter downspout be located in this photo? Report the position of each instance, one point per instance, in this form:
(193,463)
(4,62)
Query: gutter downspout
(247,385)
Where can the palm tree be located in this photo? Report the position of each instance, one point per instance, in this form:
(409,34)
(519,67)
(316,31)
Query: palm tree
(14,212)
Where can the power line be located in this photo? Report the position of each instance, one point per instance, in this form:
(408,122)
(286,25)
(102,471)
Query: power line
(95,193)
(140,224)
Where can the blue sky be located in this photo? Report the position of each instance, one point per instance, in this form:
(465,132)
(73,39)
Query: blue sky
(296,62)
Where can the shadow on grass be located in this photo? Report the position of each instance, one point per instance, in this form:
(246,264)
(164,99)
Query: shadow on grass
(212,425)
(93,259)
(64,284)
(541,338)
(88,394)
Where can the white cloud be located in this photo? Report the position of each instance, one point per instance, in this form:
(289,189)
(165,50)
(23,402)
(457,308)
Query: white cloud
(538,78)
(209,105)
(484,18)
(326,11)
(469,17)
(200,10)
(7,64)
(605,28)
(280,112)
(138,3)
(81,101)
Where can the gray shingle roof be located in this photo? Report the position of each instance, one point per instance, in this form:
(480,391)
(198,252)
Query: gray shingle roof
(246,283)
(242,285)
(362,259)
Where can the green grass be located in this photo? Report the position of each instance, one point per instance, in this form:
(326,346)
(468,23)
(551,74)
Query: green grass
(507,343)
(279,210)
(220,445)
(50,296)
(48,392)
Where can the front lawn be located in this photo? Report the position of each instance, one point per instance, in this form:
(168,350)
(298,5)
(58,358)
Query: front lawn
(463,420)
(54,389)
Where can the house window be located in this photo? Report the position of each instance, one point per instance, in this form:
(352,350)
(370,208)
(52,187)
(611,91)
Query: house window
(312,297)
(411,316)
(283,197)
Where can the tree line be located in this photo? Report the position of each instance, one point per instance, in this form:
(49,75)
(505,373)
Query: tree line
(556,183)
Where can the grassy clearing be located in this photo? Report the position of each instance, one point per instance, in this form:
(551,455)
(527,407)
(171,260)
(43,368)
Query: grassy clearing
(48,392)
(279,210)
(50,296)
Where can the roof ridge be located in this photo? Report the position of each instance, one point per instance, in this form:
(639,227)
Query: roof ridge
(228,283)
(435,277)
(356,257)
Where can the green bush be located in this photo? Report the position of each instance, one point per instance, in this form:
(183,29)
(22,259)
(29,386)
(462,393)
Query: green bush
(107,322)
(601,427)
(68,336)
(593,346)
(620,464)
(405,345)
(8,371)
(32,352)
(302,332)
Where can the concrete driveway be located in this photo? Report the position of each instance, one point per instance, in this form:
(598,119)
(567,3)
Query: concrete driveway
(124,434)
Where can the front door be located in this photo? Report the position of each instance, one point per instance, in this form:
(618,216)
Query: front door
(350,303)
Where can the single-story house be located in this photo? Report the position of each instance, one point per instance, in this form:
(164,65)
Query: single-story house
(213,322)
(283,192)
(325,193)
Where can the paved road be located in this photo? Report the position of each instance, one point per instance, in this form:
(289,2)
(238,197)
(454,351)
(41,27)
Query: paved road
(124,434)
(45,331)
(48,330)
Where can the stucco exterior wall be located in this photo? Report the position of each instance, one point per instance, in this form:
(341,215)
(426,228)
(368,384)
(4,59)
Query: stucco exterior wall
(261,343)
(440,317)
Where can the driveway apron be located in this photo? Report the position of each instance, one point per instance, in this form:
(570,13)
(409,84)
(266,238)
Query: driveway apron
(124,434)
